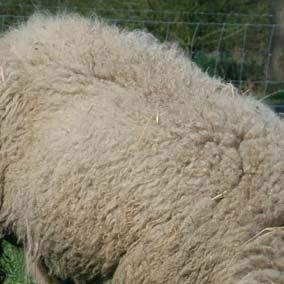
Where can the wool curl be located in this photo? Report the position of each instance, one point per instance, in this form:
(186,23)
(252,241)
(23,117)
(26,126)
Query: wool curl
(122,162)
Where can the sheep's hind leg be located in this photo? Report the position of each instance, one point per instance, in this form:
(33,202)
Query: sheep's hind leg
(39,272)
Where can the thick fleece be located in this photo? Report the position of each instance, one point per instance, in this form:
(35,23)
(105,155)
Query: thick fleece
(122,162)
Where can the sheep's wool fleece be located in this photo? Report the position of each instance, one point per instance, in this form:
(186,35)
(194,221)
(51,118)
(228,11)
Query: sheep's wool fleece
(122,162)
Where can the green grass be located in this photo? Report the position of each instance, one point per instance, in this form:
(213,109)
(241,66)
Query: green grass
(277,97)
(12,265)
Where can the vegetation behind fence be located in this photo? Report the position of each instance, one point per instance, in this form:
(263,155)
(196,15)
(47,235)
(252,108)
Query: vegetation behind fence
(242,46)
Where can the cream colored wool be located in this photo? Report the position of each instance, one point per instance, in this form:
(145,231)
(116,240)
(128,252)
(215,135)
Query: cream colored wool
(122,162)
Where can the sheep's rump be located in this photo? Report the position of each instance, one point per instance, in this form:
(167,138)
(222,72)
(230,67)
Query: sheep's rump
(121,159)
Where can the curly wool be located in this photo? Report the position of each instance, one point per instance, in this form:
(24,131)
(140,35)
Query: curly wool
(121,161)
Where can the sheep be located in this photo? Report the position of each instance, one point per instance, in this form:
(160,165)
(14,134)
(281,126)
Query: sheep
(122,162)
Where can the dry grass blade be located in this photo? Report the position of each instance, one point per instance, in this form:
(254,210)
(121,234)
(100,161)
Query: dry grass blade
(2,74)
(263,232)
(158,117)
(219,196)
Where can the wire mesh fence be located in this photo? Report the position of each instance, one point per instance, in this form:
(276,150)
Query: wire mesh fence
(238,47)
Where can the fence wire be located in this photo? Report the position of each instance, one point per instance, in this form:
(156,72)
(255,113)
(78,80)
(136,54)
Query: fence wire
(230,46)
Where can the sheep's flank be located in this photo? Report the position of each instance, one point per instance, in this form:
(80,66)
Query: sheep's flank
(121,162)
